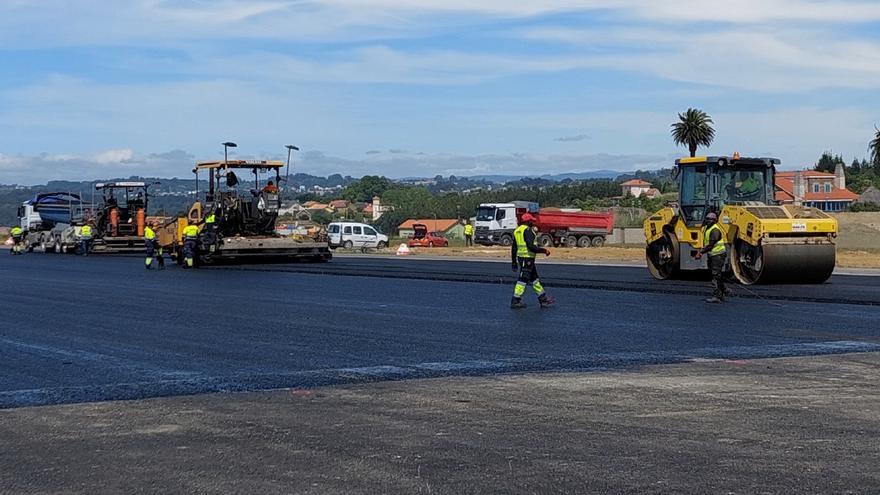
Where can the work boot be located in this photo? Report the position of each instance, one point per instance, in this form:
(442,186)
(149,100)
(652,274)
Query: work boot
(714,300)
(546,301)
(517,303)
(148,267)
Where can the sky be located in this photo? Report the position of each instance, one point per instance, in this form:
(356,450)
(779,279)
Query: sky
(95,89)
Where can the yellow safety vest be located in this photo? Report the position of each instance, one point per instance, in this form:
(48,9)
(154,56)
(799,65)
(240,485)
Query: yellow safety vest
(522,250)
(86,231)
(468,229)
(16,231)
(210,218)
(720,247)
(149,234)
(191,231)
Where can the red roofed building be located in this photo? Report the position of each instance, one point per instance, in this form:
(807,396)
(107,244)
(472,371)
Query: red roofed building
(821,190)
(638,187)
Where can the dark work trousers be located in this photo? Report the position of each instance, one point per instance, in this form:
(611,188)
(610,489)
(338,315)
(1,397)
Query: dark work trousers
(716,266)
(468,241)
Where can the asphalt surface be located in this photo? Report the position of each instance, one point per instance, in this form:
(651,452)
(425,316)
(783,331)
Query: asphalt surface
(103,328)
(771,426)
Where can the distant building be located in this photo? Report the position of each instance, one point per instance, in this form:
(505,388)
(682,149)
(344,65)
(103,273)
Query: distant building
(376,208)
(638,188)
(821,190)
(339,204)
(449,227)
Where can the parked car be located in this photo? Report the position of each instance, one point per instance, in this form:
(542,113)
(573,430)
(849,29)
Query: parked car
(353,235)
(422,238)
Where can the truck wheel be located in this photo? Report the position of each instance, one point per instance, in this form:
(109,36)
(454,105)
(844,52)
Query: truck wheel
(584,241)
(545,240)
(598,241)
(381,245)
(571,241)
(506,240)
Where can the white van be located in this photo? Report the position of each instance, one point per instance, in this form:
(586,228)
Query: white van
(352,235)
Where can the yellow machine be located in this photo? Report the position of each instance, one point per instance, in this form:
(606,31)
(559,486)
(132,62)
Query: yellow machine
(244,217)
(767,242)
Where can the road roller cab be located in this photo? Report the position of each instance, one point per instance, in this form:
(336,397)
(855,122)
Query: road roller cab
(768,242)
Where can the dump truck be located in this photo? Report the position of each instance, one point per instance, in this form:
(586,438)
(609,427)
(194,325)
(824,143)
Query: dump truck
(52,221)
(496,222)
(244,219)
(767,242)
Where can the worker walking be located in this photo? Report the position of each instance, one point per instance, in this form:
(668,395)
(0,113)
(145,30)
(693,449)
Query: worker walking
(468,234)
(714,246)
(190,244)
(151,243)
(523,254)
(17,237)
(85,239)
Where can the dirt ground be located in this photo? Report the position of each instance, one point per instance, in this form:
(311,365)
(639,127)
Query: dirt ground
(775,426)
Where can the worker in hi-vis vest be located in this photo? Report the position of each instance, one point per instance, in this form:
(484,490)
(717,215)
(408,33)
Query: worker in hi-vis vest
(151,244)
(190,244)
(523,253)
(17,237)
(85,239)
(468,234)
(714,246)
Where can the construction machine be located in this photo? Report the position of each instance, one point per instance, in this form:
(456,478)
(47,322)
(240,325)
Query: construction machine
(237,223)
(121,216)
(767,242)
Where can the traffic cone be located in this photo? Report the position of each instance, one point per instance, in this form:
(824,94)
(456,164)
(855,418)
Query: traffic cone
(403,250)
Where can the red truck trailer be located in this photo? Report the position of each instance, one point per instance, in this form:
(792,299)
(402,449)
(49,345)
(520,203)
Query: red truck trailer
(573,228)
(570,228)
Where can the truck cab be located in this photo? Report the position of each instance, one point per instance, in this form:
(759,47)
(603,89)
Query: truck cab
(496,222)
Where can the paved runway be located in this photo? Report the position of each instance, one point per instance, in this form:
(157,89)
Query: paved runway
(102,328)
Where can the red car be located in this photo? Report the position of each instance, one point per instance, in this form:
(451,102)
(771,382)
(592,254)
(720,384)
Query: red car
(422,238)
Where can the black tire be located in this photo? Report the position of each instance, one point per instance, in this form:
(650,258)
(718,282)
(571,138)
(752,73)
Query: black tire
(506,240)
(663,255)
(381,245)
(571,241)
(598,241)
(584,241)
(545,240)
(347,244)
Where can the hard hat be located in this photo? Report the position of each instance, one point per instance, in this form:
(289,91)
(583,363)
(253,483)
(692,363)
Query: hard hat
(528,217)
(711,216)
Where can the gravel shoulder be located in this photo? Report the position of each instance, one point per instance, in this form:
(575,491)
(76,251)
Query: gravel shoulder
(790,425)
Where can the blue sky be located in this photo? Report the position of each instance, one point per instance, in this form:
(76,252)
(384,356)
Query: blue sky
(92,89)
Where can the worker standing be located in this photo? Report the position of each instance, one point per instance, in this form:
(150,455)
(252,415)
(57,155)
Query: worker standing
(523,254)
(468,234)
(714,246)
(151,243)
(17,236)
(85,239)
(190,244)
(210,236)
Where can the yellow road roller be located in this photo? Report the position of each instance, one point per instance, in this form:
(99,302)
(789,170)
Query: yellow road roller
(767,242)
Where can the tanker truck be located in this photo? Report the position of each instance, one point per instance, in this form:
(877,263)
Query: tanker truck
(51,221)
(496,222)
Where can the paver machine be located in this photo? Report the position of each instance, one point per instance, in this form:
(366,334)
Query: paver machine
(244,217)
(121,216)
(767,242)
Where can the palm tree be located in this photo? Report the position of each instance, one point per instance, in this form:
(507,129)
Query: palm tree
(874,149)
(694,129)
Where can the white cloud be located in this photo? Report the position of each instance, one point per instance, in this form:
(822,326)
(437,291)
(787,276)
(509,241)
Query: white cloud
(113,156)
